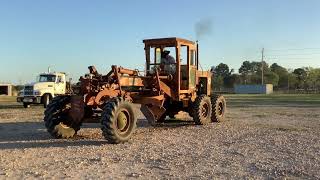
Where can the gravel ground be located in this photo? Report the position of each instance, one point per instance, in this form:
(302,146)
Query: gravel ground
(256,141)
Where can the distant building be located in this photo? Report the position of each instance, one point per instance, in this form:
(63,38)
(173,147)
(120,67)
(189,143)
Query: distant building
(253,89)
(5,89)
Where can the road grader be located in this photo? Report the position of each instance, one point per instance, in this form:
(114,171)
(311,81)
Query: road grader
(109,98)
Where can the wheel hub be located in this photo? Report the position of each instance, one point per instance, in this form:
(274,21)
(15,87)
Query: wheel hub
(220,109)
(122,121)
(64,131)
(205,110)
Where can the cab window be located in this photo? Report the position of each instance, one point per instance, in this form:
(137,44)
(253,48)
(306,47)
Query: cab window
(60,79)
(193,58)
(47,78)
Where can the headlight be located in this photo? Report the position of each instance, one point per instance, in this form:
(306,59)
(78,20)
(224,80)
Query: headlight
(37,93)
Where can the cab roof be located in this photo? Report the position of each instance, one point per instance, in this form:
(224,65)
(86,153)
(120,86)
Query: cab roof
(172,41)
(52,73)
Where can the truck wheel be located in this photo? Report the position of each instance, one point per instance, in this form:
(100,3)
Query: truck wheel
(172,115)
(45,100)
(202,110)
(219,107)
(26,105)
(56,118)
(118,121)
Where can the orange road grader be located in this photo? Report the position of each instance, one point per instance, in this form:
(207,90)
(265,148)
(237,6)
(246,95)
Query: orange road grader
(109,98)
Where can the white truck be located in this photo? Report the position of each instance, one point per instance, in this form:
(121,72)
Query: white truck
(47,86)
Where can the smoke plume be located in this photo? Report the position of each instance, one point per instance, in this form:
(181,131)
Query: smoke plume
(203,28)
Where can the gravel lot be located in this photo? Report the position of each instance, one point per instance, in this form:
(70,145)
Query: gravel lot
(261,138)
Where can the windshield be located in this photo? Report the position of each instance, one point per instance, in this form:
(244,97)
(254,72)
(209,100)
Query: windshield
(47,78)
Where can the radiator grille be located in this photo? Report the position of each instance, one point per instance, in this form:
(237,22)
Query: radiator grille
(28,90)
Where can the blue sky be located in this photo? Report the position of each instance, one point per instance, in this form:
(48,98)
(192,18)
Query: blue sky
(71,35)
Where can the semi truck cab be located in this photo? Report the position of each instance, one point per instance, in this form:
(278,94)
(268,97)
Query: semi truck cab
(47,86)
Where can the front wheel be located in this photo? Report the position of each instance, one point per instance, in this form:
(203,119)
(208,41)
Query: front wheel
(26,105)
(118,121)
(202,110)
(57,120)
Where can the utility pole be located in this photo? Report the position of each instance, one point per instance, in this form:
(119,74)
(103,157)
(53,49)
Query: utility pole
(262,60)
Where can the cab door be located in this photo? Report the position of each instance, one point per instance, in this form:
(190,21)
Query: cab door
(184,67)
(60,85)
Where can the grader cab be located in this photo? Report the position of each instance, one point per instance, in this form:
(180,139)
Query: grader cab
(164,89)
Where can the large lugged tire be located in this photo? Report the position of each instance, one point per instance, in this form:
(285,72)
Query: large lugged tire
(219,107)
(26,105)
(202,110)
(118,121)
(56,118)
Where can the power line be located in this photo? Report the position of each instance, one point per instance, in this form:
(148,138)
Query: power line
(302,54)
(293,49)
(302,58)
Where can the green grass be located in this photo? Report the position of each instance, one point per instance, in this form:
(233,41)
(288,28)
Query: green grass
(272,99)
(251,99)
(8,98)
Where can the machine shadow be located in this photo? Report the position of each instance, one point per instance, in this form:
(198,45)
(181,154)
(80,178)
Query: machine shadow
(20,135)
(168,123)
(51,143)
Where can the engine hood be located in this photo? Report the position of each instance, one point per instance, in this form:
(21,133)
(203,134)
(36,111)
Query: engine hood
(41,85)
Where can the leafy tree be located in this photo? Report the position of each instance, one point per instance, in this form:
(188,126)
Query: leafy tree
(313,78)
(282,73)
(222,73)
(250,71)
(301,75)
(246,68)
(292,81)
(223,70)
(217,82)
(258,66)
(246,71)
(231,80)
(271,78)
(278,69)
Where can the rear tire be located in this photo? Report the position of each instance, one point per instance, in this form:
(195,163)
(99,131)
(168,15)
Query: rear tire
(202,110)
(219,107)
(26,105)
(56,118)
(118,121)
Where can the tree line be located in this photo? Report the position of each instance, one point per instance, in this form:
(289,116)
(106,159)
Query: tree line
(302,79)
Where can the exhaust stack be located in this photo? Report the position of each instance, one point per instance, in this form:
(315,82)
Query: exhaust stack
(197,54)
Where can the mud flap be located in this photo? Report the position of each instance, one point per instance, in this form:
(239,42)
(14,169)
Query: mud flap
(152,113)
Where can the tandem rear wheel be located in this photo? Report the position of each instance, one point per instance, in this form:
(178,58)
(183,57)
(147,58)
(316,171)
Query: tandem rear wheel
(207,109)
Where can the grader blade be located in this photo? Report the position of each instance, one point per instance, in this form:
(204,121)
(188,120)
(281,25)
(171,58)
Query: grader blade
(152,113)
